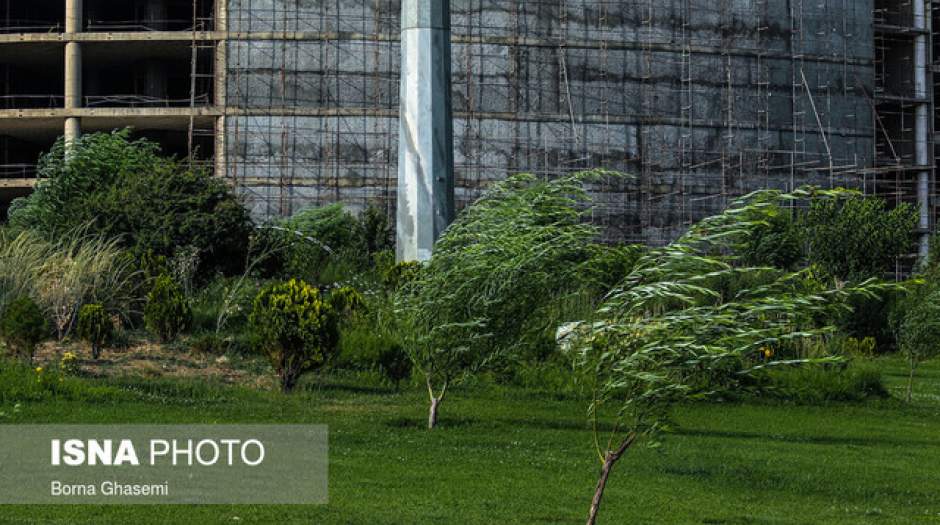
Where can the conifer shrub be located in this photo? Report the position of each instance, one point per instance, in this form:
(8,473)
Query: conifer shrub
(95,327)
(347,301)
(297,330)
(167,313)
(23,327)
(393,362)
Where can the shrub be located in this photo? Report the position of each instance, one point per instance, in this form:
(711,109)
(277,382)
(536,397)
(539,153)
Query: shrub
(854,238)
(297,329)
(69,364)
(347,301)
(167,313)
(376,230)
(95,327)
(318,244)
(400,274)
(826,384)
(363,346)
(23,327)
(776,241)
(126,190)
(394,363)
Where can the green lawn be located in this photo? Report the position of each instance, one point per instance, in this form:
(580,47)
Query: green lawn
(512,456)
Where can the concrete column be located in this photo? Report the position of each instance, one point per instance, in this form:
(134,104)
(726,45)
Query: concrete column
(221,16)
(73,16)
(73,70)
(922,126)
(221,99)
(73,131)
(426,143)
(221,155)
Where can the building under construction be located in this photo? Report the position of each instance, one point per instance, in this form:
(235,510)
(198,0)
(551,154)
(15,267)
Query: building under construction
(296,102)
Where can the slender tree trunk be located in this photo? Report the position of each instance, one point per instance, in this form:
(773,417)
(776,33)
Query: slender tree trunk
(609,460)
(436,401)
(432,413)
(910,382)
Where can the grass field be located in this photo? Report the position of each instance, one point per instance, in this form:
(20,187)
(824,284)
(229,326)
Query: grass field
(512,456)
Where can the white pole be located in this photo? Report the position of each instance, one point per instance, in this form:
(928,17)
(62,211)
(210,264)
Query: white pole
(426,144)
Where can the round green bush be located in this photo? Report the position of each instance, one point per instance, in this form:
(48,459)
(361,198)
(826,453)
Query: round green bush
(167,313)
(95,327)
(394,363)
(127,189)
(347,301)
(22,327)
(298,331)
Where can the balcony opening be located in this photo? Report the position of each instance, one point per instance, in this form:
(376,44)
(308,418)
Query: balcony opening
(148,15)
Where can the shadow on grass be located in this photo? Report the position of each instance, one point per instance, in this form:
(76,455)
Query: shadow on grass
(315,387)
(442,423)
(813,440)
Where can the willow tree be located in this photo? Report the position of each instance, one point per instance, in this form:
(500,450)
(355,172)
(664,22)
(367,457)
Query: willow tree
(525,243)
(691,321)
(919,335)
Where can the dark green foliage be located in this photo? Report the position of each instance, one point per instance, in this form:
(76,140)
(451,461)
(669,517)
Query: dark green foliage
(855,382)
(399,274)
(394,363)
(347,301)
(854,238)
(23,327)
(298,330)
(933,260)
(167,312)
(376,230)
(321,245)
(126,189)
(919,335)
(610,264)
(874,317)
(776,241)
(95,327)
(363,347)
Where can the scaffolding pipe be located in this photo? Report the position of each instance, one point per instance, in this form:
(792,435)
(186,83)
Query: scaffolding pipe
(922,126)
(426,143)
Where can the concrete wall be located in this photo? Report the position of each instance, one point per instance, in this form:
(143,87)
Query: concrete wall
(699,100)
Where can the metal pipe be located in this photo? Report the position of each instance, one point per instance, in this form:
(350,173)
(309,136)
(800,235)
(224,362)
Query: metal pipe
(922,126)
(426,143)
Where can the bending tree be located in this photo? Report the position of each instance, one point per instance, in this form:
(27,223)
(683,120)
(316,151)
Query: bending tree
(682,326)
(920,328)
(524,243)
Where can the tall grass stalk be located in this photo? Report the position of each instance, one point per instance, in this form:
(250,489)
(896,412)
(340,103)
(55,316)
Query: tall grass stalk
(63,275)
